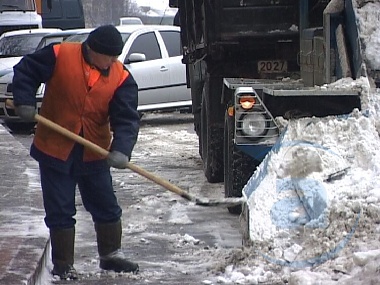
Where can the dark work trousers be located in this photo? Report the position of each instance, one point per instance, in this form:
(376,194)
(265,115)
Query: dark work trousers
(98,197)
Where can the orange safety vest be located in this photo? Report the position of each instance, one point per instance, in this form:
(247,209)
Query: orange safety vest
(69,102)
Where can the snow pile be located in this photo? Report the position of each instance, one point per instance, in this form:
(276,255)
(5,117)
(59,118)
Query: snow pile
(368,14)
(331,164)
(337,158)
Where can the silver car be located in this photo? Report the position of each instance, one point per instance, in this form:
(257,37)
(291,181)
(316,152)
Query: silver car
(153,56)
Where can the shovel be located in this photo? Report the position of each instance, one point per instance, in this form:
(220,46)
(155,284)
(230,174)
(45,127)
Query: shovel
(225,202)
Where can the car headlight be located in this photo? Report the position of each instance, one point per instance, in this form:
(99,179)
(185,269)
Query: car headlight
(254,125)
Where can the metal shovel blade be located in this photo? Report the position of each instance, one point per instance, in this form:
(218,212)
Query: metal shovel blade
(224,202)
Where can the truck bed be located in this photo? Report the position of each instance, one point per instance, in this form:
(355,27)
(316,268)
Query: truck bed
(237,19)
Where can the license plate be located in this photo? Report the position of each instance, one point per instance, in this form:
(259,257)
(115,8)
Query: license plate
(272,66)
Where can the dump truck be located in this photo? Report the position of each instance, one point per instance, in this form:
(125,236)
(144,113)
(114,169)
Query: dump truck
(252,61)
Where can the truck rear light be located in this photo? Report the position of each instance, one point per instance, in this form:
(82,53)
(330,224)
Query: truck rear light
(247,102)
(231,111)
(254,125)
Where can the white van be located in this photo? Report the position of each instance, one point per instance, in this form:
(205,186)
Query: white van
(18,14)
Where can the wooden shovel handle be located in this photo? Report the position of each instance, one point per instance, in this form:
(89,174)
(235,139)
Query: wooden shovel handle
(95,148)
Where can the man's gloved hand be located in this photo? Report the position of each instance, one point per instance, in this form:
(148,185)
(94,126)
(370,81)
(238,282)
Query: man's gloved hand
(26,112)
(117,159)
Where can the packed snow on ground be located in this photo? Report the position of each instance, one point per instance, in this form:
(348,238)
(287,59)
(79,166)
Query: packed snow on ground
(338,243)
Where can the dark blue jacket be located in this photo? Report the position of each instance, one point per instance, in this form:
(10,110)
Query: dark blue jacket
(38,68)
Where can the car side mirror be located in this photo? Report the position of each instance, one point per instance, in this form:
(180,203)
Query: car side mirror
(135,57)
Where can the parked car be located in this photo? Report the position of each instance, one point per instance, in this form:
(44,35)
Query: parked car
(6,107)
(56,37)
(153,56)
(15,44)
(130,21)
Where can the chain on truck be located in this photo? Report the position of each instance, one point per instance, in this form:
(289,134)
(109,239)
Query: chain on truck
(250,61)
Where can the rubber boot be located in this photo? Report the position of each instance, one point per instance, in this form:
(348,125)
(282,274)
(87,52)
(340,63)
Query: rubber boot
(109,247)
(62,251)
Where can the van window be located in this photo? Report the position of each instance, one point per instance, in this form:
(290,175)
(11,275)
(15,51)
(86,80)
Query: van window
(55,13)
(65,14)
(172,41)
(72,9)
(17,5)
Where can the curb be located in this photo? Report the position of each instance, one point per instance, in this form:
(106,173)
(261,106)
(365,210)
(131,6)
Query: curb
(24,237)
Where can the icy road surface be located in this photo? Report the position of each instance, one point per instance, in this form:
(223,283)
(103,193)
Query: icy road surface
(173,240)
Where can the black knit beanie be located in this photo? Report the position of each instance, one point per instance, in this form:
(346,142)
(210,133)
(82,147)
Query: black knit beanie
(106,40)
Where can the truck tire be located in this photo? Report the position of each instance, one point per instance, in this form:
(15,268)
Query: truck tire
(196,97)
(197,117)
(238,166)
(211,142)
(196,84)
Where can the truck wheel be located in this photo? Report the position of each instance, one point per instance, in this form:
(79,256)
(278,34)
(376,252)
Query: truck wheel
(197,123)
(211,144)
(238,167)
(196,84)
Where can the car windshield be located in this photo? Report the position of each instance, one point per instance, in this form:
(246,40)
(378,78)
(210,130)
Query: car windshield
(82,37)
(19,45)
(49,40)
(17,5)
